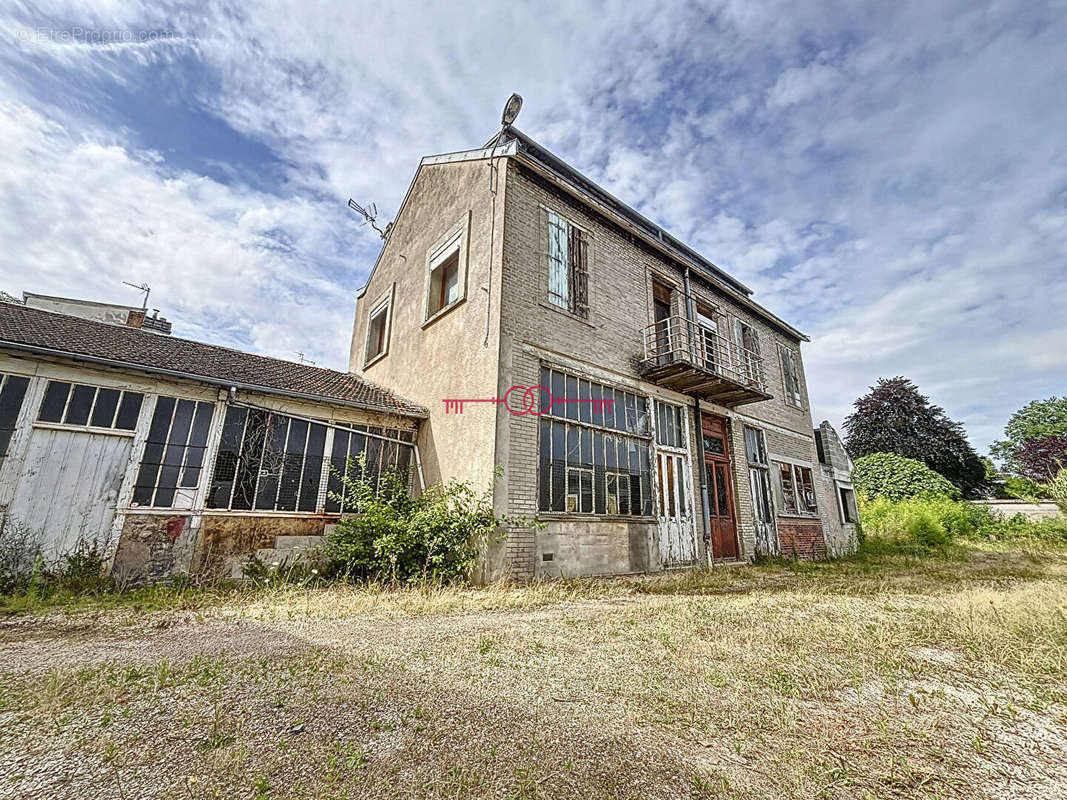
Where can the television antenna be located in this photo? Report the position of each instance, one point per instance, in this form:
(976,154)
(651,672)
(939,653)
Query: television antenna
(369,214)
(303,360)
(144,287)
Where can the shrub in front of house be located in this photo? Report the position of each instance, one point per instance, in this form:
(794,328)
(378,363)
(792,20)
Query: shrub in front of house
(431,538)
(898,478)
(1057,489)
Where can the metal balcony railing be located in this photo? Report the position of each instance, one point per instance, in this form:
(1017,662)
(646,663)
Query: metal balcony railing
(677,342)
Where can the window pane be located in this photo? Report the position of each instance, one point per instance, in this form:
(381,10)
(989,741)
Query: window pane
(55,400)
(194,459)
(559,391)
(226,460)
(129,410)
(270,467)
(338,461)
(722,500)
(81,401)
(107,402)
(806,488)
(587,491)
(175,452)
(11,396)
(309,486)
(571,409)
(559,465)
(544,472)
(155,444)
(293,465)
(251,460)
(598,473)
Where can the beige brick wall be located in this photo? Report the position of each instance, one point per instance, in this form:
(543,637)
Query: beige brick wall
(609,345)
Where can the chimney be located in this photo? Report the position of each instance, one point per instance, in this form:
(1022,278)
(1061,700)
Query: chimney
(135,319)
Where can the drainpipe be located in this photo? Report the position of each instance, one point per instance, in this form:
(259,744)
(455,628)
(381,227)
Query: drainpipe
(705,515)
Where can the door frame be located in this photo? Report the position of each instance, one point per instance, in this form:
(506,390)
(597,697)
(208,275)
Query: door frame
(684,455)
(713,460)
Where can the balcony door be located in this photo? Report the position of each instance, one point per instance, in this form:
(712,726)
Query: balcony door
(661,316)
(707,338)
(720,491)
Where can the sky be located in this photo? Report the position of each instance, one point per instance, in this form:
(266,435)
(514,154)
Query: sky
(891,178)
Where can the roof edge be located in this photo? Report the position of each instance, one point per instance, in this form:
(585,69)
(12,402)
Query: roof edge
(173,373)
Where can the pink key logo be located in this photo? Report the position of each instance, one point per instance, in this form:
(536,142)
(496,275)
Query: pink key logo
(529,395)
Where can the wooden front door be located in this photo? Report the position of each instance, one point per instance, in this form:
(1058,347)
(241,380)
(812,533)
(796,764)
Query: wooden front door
(720,490)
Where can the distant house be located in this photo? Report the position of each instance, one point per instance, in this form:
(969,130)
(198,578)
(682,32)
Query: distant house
(656,415)
(175,455)
(112,313)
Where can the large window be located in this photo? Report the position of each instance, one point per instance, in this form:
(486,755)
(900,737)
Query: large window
(794,489)
(568,266)
(594,449)
(89,406)
(273,462)
(12,392)
(173,452)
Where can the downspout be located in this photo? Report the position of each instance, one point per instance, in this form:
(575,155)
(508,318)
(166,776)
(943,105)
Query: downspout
(705,515)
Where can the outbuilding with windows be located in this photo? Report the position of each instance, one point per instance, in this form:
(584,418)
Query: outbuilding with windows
(172,455)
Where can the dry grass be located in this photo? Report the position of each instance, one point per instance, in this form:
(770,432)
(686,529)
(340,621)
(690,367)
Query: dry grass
(881,676)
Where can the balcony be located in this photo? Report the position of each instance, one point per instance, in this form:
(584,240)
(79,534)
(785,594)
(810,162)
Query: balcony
(696,360)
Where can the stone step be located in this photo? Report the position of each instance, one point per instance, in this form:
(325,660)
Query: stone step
(296,542)
(272,556)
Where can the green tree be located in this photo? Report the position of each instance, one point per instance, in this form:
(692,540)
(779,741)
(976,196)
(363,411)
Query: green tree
(1037,420)
(894,417)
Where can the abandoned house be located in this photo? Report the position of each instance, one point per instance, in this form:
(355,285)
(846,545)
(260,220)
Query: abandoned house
(174,455)
(648,412)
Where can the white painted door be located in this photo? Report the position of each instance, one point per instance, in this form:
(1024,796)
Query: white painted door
(69,486)
(677,545)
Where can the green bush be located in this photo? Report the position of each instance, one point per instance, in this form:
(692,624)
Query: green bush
(1016,488)
(434,537)
(922,522)
(929,522)
(897,478)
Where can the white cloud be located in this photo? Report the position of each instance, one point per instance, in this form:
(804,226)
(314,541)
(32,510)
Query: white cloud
(891,180)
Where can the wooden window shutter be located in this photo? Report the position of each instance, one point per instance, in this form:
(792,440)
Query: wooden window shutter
(578,251)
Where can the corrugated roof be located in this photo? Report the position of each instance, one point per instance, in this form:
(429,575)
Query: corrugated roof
(39,331)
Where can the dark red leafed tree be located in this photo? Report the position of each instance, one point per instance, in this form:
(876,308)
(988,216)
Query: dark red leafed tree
(895,417)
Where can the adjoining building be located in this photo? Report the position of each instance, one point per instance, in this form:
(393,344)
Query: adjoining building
(645,408)
(173,455)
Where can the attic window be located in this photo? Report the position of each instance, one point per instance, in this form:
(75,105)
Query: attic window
(378,332)
(444,283)
(568,266)
(446,273)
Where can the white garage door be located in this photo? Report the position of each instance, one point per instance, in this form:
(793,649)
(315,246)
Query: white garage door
(70,485)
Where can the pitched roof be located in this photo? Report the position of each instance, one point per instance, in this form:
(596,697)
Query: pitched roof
(46,332)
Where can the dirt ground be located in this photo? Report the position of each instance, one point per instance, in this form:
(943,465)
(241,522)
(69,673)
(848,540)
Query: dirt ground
(856,679)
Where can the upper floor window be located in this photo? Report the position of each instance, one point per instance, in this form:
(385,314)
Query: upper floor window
(849,511)
(791,375)
(568,266)
(89,406)
(378,329)
(445,271)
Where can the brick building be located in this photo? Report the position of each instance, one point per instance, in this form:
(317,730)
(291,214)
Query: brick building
(651,415)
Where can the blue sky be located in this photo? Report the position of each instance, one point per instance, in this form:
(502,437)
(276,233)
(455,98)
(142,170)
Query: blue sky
(891,178)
